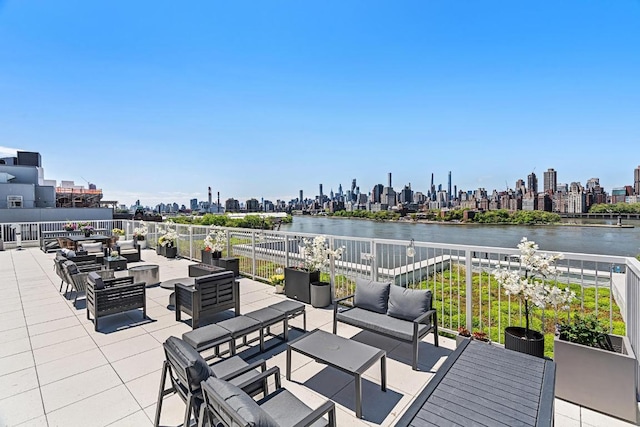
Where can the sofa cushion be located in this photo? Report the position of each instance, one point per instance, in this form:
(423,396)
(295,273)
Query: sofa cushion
(92,247)
(126,244)
(371,296)
(380,323)
(189,360)
(96,279)
(240,402)
(408,304)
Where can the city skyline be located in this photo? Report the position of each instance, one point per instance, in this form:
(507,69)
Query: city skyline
(158,102)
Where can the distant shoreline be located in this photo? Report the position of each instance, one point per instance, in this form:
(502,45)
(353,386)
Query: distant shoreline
(426,221)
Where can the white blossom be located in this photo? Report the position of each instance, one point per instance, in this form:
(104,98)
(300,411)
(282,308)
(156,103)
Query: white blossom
(316,253)
(216,240)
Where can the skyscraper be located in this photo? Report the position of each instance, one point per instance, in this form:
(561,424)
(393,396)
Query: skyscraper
(550,181)
(636,181)
(321,195)
(449,187)
(301,199)
(532,183)
(390,186)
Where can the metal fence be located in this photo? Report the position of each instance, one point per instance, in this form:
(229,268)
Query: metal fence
(459,276)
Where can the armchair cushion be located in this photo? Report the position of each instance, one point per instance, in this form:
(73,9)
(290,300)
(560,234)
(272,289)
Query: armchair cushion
(126,244)
(188,359)
(372,296)
(96,280)
(408,304)
(241,403)
(92,247)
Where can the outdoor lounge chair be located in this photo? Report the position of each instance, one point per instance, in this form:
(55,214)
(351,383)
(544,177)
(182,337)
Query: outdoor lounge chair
(113,296)
(228,405)
(187,369)
(75,275)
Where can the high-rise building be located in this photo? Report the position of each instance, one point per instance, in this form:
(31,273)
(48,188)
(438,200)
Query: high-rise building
(376,193)
(353,190)
(193,204)
(449,187)
(390,186)
(636,181)
(301,199)
(532,183)
(321,198)
(550,181)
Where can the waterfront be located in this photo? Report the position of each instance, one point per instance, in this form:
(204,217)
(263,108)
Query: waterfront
(589,240)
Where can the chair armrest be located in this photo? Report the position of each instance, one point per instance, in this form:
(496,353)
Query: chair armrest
(275,371)
(423,317)
(339,300)
(326,408)
(261,363)
(185,288)
(121,287)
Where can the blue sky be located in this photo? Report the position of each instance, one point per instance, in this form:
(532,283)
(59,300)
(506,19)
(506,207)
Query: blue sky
(158,100)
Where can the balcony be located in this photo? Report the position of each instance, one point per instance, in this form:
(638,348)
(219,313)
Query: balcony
(56,370)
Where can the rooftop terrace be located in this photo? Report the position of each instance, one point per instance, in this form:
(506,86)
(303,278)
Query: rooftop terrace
(55,370)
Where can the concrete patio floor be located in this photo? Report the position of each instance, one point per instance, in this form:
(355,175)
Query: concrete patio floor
(55,370)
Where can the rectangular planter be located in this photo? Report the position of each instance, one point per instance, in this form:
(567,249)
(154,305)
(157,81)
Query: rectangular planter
(297,284)
(167,252)
(598,379)
(210,258)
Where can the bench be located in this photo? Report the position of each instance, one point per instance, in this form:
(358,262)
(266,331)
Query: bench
(482,384)
(112,296)
(209,295)
(390,310)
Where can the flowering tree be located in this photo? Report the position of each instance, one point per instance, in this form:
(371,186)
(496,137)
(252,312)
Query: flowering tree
(140,233)
(531,288)
(215,241)
(168,238)
(316,253)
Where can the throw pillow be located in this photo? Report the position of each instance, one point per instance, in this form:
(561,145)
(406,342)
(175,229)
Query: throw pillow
(408,304)
(126,244)
(240,402)
(97,281)
(372,296)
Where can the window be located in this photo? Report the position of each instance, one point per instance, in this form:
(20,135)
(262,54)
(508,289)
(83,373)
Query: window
(14,201)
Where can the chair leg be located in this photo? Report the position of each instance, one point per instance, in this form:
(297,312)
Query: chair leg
(161,393)
(414,366)
(187,411)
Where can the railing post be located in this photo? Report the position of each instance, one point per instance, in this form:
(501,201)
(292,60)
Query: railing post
(253,255)
(191,242)
(469,289)
(374,261)
(332,270)
(286,250)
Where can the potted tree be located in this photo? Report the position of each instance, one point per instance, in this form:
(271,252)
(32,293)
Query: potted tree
(595,369)
(140,235)
(167,243)
(532,291)
(315,255)
(214,244)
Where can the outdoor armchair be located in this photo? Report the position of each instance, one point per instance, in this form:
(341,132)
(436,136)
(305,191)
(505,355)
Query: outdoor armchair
(228,405)
(113,296)
(187,369)
(75,275)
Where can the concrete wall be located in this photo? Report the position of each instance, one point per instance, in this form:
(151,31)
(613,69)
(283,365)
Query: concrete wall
(23,174)
(53,214)
(27,191)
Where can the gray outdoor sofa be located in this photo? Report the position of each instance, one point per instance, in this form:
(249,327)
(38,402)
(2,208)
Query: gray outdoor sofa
(390,310)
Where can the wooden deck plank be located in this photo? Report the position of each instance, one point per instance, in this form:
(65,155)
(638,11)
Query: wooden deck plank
(452,416)
(476,385)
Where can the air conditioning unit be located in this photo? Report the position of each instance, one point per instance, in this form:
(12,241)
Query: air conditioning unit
(14,202)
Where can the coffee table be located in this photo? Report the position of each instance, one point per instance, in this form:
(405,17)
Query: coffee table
(351,357)
(115,263)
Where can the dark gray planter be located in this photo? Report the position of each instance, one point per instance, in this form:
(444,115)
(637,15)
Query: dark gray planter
(297,284)
(169,252)
(210,258)
(598,379)
(320,294)
(514,339)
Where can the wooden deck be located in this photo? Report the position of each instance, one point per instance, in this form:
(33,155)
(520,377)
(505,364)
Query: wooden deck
(486,385)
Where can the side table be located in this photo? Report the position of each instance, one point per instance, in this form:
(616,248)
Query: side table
(115,263)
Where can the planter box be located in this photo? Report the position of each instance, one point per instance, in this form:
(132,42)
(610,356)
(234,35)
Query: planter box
(167,252)
(297,284)
(210,258)
(598,379)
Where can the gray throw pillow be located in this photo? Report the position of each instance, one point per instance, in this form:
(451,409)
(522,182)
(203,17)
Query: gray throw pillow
(189,360)
(240,402)
(372,296)
(96,279)
(408,304)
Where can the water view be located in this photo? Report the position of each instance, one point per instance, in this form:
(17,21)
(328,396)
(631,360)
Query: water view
(576,239)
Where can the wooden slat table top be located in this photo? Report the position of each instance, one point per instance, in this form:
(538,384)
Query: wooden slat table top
(485,385)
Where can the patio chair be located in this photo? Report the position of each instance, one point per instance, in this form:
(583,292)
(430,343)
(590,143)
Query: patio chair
(227,404)
(76,276)
(186,370)
(112,296)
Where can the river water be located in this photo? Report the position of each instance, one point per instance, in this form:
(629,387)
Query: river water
(576,239)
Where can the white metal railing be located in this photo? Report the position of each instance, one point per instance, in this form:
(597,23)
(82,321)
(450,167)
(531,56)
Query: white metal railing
(459,276)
